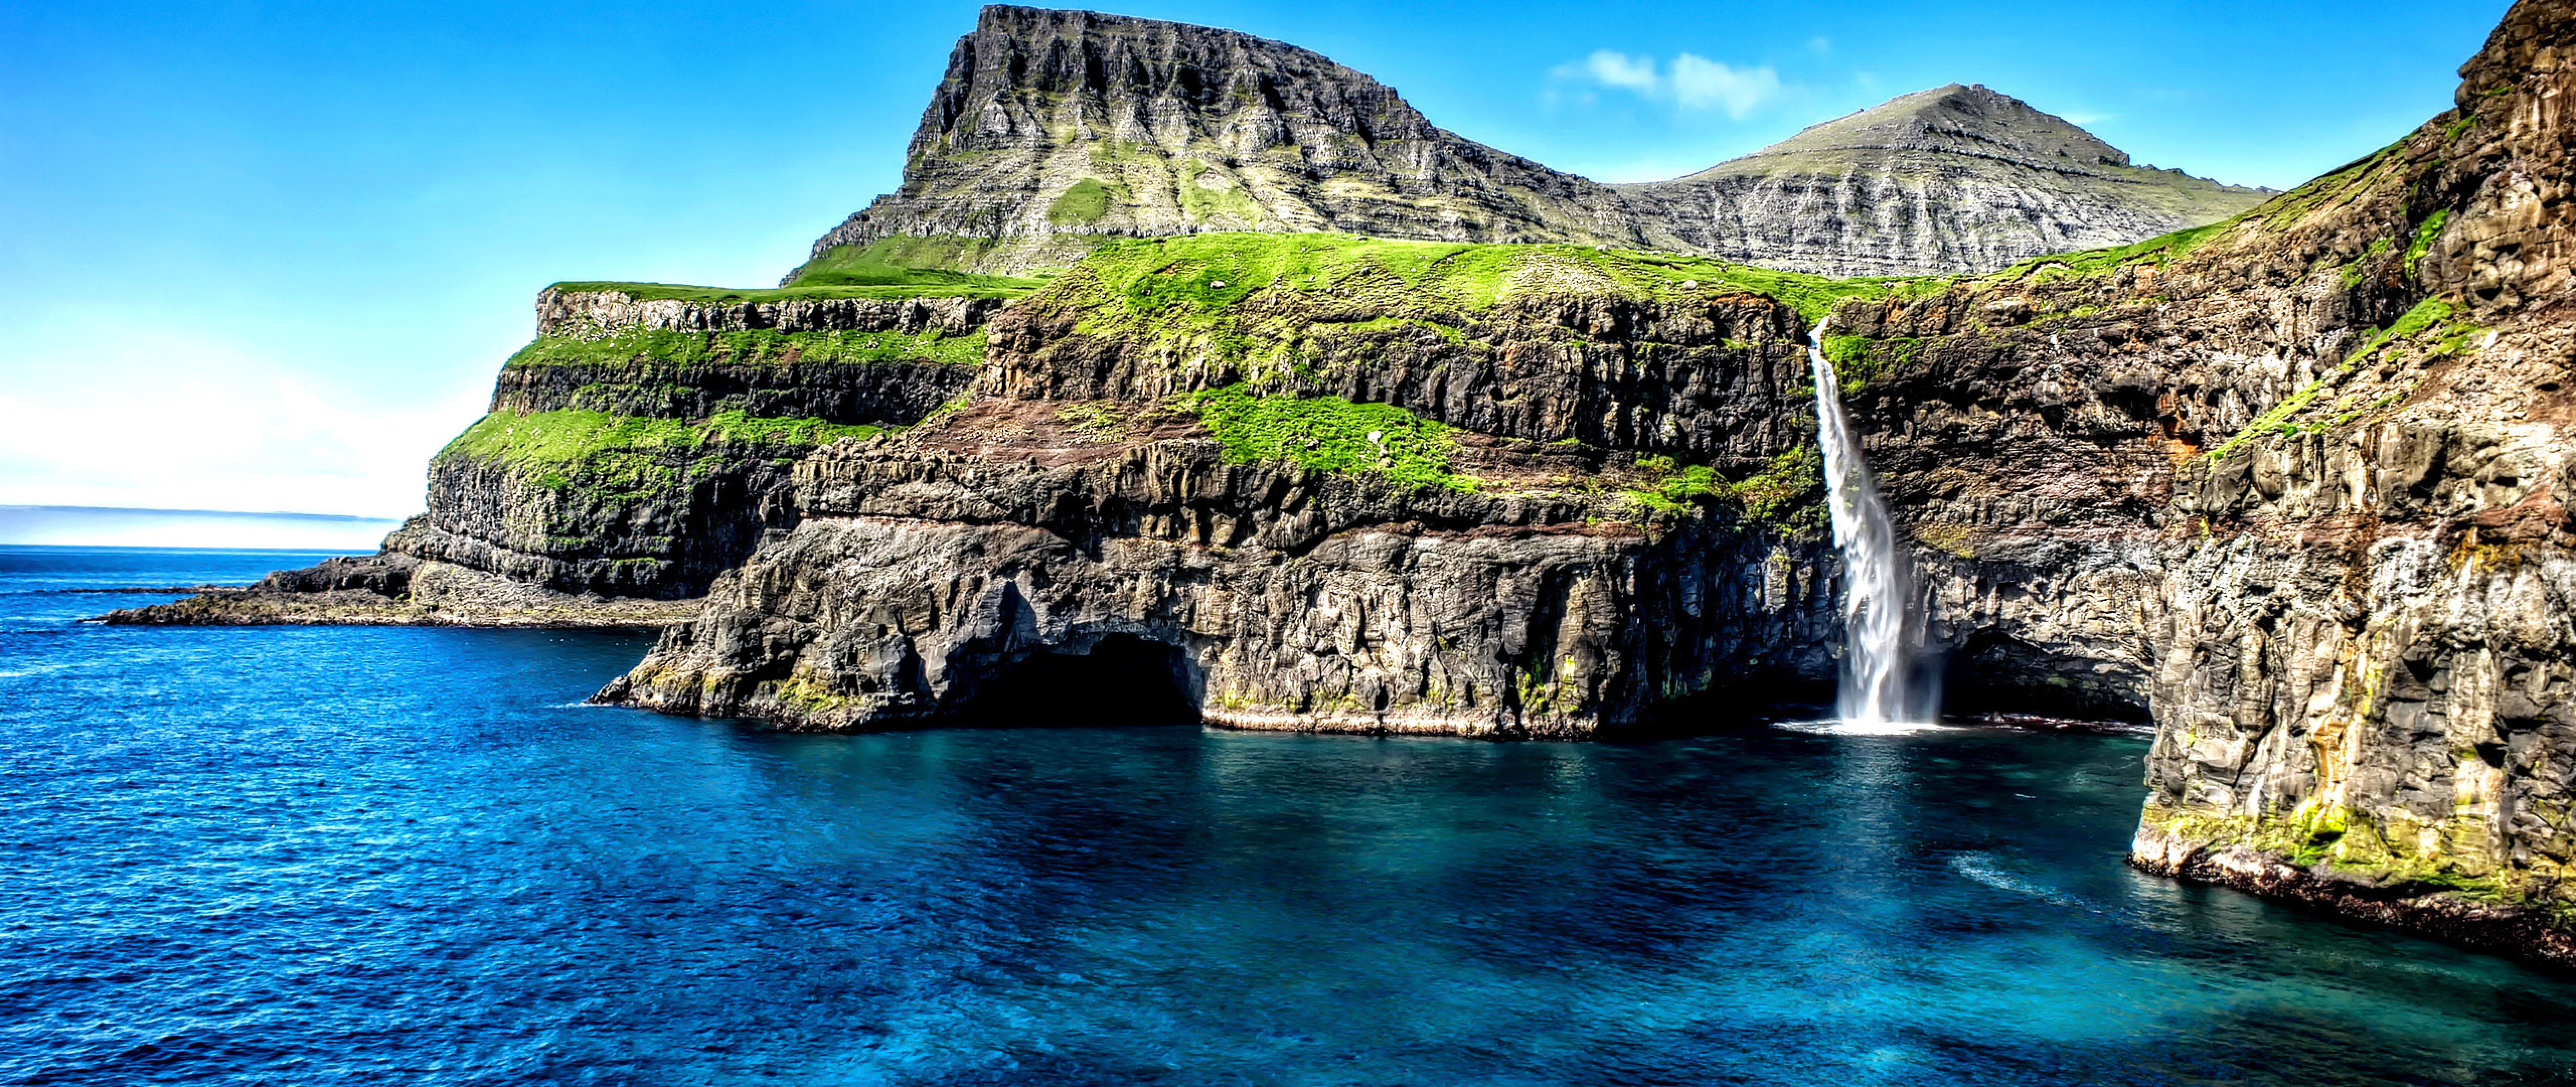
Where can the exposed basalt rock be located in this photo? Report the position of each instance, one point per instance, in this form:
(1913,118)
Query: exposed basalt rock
(1053,128)
(593,313)
(1559,350)
(931,568)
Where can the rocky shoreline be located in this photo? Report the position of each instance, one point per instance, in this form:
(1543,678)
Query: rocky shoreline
(2541,935)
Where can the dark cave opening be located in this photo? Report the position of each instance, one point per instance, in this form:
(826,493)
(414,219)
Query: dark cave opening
(1121,679)
(1994,674)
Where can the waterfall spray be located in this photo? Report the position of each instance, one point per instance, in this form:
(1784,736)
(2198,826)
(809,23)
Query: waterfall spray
(1875,592)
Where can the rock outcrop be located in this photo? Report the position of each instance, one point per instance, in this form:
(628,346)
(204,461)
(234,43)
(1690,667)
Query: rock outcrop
(1158,456)
(1053,129)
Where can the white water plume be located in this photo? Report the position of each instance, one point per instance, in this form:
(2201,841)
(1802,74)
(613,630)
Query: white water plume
(1876,634)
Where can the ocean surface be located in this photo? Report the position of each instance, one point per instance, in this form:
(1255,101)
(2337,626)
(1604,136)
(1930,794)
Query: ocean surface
(354,856)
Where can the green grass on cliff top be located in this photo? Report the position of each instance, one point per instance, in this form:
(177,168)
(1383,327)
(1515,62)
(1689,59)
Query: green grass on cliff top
(910,263)
(557,439)
(750,346)
(1329,434)
(887,268)
(1208,273)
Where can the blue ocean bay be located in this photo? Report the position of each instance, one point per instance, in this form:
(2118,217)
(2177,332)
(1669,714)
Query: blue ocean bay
(324,856)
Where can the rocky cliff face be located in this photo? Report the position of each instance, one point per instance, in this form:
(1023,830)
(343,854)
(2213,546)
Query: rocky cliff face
(1052,128)
(2286,484)
(2291,483)
(1159,460)
(1055,128)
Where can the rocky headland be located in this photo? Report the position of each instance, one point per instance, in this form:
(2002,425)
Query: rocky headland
(1379,430)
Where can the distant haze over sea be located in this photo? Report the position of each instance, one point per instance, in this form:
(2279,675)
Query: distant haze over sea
(107,526)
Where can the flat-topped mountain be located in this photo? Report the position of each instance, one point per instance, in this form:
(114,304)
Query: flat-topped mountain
(1052,129)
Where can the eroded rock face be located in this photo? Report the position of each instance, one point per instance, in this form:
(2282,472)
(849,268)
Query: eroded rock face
(925,576)
(1053,128)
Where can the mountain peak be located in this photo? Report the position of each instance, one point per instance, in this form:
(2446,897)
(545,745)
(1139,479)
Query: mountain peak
(1968,118)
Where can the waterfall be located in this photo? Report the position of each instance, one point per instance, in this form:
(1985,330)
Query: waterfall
(1875,631)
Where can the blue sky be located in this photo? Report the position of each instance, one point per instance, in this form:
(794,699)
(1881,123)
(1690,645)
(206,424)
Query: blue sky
(268,256)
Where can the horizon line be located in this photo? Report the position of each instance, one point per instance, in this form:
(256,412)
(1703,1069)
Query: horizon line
(271,514)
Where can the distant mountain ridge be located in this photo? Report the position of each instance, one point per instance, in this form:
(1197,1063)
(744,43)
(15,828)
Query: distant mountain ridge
(1053,128)
(1956,178)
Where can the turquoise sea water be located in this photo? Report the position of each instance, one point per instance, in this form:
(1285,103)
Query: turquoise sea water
(343,856)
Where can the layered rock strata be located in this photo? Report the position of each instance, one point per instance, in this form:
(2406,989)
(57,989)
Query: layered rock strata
(2287,484)
(1052,129)
(1151,459)
(1953,179)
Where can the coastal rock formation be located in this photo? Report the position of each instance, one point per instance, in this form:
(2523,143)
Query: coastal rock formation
(1158,457)
(1053,129)
(2291,481)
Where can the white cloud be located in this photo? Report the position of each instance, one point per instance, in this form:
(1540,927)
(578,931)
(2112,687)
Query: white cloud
(164,419)
(1623,71)
(1690,82)
(1700,83)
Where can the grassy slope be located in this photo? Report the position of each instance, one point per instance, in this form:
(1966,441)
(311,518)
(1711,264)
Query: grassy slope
(1205,274)
(751,346)
(1329,434)
(888,268)
(594,460)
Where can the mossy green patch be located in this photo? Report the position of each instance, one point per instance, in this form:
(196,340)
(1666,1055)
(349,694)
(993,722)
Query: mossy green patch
(2432,315)
(557,439)
(598,464)
(1859,360)
(2090,262)
(1328,434)
(1787,492)
(752,346)
(2423,240)
(1085,203)
(1224,202)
